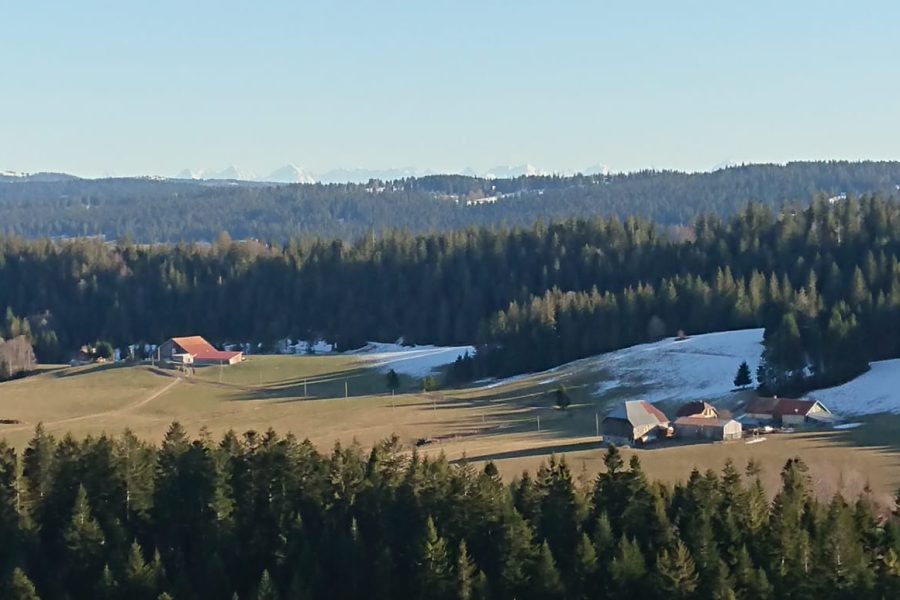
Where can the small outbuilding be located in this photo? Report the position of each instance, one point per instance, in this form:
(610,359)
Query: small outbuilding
(635,421)
(708,428)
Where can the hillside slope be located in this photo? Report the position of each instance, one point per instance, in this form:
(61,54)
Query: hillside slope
(875,391)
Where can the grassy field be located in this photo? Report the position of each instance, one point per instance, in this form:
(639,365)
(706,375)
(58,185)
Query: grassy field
(514,424)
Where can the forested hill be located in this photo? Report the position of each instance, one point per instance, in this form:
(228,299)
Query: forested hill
(153,210)
(824,282)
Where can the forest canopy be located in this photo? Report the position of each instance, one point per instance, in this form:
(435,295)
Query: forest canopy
(263,516)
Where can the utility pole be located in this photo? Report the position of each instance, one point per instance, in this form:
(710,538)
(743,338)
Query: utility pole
(539,423)
(346,394)
(597,423)
(304,388)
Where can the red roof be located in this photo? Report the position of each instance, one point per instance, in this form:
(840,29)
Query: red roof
(200,349)
(194,344)
(654,411)
(794,407)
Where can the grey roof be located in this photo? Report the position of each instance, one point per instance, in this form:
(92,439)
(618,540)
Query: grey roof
(638,412)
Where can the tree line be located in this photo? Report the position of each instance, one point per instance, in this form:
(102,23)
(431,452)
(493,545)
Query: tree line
(263,516)
(152,211)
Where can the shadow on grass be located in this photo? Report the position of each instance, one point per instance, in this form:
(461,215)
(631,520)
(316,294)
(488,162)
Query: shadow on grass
(880,431)
(87,370)
(536,451)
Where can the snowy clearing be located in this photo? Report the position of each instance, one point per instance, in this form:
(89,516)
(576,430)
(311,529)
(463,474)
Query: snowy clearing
(847,426)
(414,361)
(701,367)
(875,391)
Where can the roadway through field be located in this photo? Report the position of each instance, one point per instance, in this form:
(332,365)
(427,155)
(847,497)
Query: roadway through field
(121,409)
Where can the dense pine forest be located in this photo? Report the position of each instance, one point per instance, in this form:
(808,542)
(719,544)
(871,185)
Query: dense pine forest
(820,280)
(151,210)
(259,516)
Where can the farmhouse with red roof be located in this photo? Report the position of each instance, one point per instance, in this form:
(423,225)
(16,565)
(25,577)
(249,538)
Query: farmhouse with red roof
(196,350)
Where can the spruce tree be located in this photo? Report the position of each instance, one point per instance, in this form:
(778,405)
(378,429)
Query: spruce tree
(266,589)
(20,587)
(139,579)
(628,568)
(465,573)
(10,530)
(676,573)
(393,381)
(84,544)
(107,588)
(585,569)
(545,579)
(743,379)
(435,571)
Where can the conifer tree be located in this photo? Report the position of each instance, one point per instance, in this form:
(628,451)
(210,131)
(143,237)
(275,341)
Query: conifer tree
(10,530)
(20,587)
(585,569)
(139,579)
(106,588)
(266,589)
(37,468)
(628,568)
(435,572)
(465,573)
(84,543)
(743,379)
(545,579)
(393,381)
(676,573)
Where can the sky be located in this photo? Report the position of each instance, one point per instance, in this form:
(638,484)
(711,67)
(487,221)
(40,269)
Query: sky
(150,88)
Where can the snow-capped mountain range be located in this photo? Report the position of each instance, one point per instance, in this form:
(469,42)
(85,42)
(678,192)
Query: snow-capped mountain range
(291,173)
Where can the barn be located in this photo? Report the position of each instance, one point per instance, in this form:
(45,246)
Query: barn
(707,428)
(789,412)
(635,421)
(196,350)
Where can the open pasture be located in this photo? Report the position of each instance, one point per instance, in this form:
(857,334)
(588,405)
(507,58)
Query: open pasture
(331,398)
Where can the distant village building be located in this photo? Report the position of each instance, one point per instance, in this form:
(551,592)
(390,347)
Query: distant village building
(195,350)
(635,421)
(789,412)
(710,428)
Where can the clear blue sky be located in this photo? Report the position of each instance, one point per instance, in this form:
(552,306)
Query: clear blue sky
(153,87)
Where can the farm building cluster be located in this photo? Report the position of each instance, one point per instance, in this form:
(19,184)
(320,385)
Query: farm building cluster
(639,421)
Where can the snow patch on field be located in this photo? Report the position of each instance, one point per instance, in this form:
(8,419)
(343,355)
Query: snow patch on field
(875,391)
(701,367)
(414,361)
